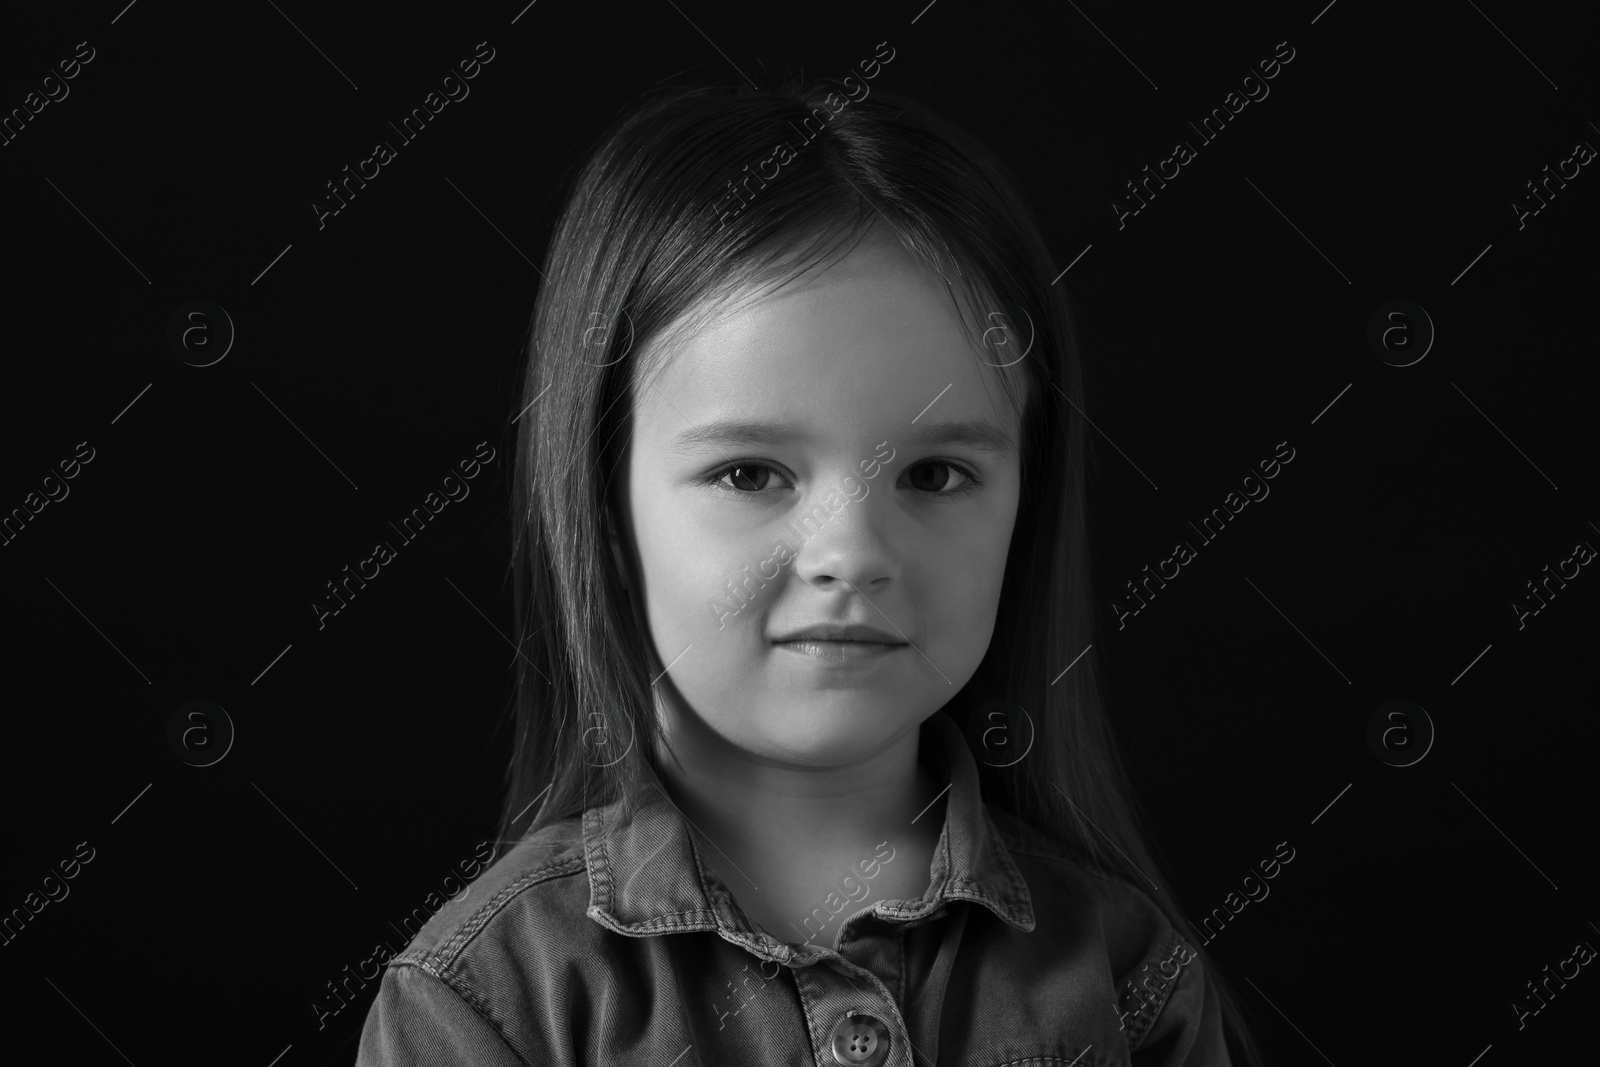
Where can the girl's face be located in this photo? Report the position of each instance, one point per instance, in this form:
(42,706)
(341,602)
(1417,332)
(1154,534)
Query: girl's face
(836,456)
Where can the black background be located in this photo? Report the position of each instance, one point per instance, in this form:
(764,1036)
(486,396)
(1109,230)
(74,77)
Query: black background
(379,350)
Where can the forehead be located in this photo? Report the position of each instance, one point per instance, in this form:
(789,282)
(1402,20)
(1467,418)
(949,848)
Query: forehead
(868,342)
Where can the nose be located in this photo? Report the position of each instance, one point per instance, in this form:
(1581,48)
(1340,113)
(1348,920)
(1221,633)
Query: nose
(842,540)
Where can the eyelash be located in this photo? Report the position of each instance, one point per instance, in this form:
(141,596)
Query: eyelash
(714,479)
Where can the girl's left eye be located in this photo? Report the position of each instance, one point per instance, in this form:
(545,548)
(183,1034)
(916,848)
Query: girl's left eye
(936,476)
(743,477)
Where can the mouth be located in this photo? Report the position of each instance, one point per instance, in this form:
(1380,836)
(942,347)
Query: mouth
(840,652)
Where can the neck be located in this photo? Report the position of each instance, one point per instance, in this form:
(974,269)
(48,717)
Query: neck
(775,819)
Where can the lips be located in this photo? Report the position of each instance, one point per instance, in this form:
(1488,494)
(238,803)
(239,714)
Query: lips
(835,632)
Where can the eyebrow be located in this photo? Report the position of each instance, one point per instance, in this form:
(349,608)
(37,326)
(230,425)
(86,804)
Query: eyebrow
(974,433)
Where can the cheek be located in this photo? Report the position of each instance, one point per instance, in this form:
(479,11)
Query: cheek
(959,595)
(710,640)
(696,586)
(964,576)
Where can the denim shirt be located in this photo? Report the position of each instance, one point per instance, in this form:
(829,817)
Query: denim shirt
(598,941)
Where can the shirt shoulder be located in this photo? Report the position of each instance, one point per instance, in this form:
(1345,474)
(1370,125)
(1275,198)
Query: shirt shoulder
(1062,885)
(544,873)
(472,981)
(1167,1008)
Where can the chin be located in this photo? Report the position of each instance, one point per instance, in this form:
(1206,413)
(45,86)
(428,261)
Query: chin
(839,725)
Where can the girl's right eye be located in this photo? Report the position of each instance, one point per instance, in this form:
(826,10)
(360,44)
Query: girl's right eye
(744,477)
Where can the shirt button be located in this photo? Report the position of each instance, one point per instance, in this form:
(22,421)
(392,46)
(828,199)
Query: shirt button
(860,1041)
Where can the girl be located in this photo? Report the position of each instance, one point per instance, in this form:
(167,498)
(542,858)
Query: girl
(799,776)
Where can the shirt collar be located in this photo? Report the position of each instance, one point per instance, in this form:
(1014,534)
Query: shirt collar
(645,877)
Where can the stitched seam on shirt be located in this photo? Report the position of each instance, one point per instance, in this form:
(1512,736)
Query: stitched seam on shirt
(678,920)
(1018,884)
(955,889)
(1093,1059)
(1143,1023)
(469,996)
(446,956)
(1145,1018)
(900,983)
(1148,1015)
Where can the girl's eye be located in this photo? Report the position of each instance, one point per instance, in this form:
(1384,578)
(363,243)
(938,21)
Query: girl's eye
(937,476)
(744,477)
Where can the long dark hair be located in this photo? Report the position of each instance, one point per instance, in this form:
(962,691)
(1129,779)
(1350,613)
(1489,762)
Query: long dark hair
(677,203)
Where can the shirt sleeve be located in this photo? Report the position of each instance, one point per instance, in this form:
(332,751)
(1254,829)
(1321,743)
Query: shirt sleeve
(1187,1032)
(419,1021)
